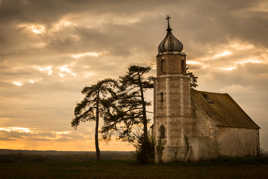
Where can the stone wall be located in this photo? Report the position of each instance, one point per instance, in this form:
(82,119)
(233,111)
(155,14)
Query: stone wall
(211,141)
(203,144)
(237,142)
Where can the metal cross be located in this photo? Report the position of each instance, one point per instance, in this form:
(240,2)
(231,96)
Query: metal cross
(168,17)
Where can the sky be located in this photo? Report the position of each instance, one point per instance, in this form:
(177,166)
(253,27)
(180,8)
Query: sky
(50,50)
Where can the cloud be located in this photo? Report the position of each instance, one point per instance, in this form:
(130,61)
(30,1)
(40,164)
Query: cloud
(15,133)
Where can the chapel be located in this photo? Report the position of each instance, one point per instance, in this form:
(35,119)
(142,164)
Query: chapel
(192,125)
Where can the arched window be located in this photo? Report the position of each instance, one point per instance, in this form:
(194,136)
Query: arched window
(162,131)
(183,66)
(162,65)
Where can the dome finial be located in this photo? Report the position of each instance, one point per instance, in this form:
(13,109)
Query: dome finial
(170,44)
(168,18)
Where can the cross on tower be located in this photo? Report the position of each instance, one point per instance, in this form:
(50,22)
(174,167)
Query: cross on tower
(168,18)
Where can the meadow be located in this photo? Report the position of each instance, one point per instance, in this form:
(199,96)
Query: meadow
(65,165)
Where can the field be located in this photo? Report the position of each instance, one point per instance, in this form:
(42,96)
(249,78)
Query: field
(52,164)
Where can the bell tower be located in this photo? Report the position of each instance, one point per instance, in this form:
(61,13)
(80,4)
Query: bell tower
(172,101)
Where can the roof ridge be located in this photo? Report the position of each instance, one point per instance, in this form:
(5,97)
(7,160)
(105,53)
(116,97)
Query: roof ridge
(210,92)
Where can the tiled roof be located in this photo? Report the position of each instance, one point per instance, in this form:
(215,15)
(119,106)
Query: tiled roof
(223,109)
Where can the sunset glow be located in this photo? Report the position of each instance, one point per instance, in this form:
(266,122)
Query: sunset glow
(241,46)
(32,81)
(34,28)
(222,54)
(65,69)
(249,61)
(17,83)
(192,62)
(38,29)
(80,55)
(228,68)
(63,132)
(47,69)
(62,24)
(61,75)
(16,129)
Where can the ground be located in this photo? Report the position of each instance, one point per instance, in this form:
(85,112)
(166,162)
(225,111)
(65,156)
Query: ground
(52,164)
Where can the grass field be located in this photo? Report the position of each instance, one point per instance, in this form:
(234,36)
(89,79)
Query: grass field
(51,164)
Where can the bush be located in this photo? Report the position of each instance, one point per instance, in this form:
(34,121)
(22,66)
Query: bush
(144,150)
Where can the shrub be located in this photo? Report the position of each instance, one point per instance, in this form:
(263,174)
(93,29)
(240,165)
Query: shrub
(145,150)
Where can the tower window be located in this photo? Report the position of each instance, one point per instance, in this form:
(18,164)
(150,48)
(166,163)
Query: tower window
(162,65)
(162,131)
(162,97)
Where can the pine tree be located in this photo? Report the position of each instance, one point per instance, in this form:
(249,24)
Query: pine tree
(127,112)
(93,105)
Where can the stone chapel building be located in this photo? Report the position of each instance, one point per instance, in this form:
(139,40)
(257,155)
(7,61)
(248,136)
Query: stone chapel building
(195,125)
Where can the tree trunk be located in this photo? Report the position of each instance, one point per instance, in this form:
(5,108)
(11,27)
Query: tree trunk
(145,133)
(145,147)
(97,129)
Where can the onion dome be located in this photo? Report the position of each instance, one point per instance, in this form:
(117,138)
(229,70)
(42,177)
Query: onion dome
(170,44)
